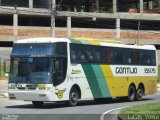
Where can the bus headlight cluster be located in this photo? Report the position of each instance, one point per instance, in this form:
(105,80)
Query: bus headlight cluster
(43,87)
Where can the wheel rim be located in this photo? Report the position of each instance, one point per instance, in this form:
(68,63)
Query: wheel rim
(74,97)
(139,94)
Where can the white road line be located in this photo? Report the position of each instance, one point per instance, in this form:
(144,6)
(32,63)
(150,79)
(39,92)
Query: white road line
(102,116)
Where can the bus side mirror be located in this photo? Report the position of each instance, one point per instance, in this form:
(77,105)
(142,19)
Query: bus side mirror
(7,63)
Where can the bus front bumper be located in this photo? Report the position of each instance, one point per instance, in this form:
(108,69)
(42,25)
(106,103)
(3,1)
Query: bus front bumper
(33,95)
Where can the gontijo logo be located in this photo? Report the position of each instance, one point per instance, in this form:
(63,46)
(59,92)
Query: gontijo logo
(126,70)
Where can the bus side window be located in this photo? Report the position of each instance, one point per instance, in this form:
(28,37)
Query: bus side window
(93,54)
(73,56)
(80,55)
(145,58)
(148,61)
(153,59)
(135,55)
(89,56)
(97,57)
(109,57)
(118,56)
(129,60)
(118,59)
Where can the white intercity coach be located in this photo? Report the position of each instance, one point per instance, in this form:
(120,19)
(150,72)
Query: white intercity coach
(64,69)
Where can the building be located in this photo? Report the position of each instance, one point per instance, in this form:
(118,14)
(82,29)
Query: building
(111,19)
(124,20)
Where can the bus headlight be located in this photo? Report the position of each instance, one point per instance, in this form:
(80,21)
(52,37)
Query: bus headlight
(48,88)
(43,87)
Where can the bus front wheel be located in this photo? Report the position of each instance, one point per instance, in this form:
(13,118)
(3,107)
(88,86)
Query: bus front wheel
(37,103)
(73,97)
(131,93)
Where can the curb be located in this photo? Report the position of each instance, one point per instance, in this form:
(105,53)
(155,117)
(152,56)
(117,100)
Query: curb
(112,111)
(4,95)
(113,115)
(119,117)
(3,81)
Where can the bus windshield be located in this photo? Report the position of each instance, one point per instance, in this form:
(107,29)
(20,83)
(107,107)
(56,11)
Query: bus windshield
(34,63)
(31,70)
(33,49)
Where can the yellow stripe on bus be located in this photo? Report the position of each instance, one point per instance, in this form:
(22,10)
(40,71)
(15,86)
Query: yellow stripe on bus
(118,86)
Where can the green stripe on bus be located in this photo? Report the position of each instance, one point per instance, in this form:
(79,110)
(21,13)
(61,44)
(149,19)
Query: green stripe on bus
(86,42)
(101,80)
(93,83)
(75,41)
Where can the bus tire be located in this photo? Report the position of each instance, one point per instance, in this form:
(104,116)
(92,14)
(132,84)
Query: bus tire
(73,97)
(131,93)
(139,93)
(37,103)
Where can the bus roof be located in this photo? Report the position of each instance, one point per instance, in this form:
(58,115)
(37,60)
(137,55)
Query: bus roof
(42,40)
(88,41)
(98,40)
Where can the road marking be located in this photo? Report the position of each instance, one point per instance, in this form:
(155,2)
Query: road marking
(102,116)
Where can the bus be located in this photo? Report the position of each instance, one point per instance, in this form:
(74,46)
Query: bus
(73,69)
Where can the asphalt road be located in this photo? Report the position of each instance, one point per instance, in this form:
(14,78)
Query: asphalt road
(3,86)
(86,110)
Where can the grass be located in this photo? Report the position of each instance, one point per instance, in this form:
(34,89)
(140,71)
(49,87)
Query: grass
(159,74)
(2,70)
(2,73)
(142,112)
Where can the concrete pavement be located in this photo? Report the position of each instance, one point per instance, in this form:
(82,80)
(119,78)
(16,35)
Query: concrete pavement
(158,88)
(3,88)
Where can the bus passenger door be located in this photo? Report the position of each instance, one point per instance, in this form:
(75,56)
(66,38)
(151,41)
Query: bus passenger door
(59,69)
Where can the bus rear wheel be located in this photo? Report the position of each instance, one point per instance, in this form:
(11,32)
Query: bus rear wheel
(131,93)
(37,103)
(73,97)
(139,93)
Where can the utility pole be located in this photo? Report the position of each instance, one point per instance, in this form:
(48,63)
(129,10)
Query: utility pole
(15,22)
(139,25)
(53,15)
